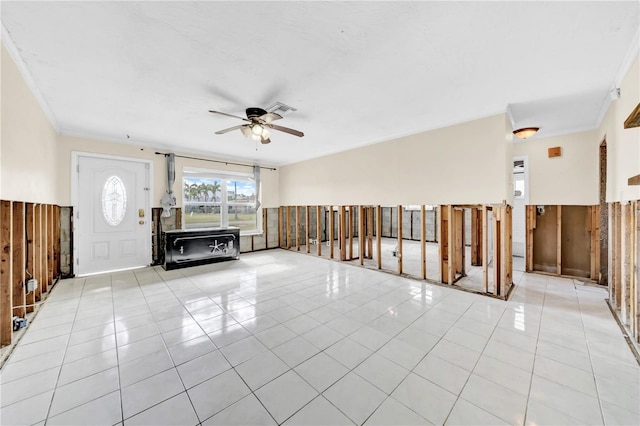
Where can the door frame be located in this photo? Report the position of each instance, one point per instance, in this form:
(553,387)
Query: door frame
(75,185)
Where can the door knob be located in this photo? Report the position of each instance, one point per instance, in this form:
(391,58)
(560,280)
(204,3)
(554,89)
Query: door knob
(141,222)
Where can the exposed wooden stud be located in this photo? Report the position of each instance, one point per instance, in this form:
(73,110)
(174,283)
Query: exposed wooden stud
(626,262)
(559,239)
(399,248)
(445,244)
(298,228)
(632,267)
(459,249)
(592,239)
(624,273)
(610,253)
(280,226)
(635,326)
(370,232)
(50,250)
(503,260)
(352,217)
(530,226)
(508,251)
(56,241)
(342,231)
(264,228)
(30,248)
(361,234)
(443,250)
(423,242)
(18,259)
(596,241)
(496,250)
(45,247)
(379,236)
(485,249)
(306,228)
(41,248)
(476,229)
(6,326)
(463,251)
(618,253)
(450,246)
(288,228)
(319,230)
(38,265)
(613,261)
(331,231)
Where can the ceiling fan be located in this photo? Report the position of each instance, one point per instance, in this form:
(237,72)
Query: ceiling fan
(258,124)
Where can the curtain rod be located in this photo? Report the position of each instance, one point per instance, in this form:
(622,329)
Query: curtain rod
(215,161)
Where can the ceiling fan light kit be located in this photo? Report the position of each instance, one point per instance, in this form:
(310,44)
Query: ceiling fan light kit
(259,123)
(526,132)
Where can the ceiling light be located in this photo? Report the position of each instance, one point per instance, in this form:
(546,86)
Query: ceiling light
(526,132)
(256,129)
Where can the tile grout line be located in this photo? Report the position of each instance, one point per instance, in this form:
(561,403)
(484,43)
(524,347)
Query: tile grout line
(46,420)
(458,397)
(535,354)
(593,371)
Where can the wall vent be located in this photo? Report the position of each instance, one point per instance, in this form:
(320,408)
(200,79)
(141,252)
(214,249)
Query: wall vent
(280,108)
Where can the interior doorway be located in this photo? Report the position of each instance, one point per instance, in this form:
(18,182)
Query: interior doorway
(520,200)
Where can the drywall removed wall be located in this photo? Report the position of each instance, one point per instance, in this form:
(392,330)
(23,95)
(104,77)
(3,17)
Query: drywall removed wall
(571,178)
(28,171)
(469,163)
(69,144)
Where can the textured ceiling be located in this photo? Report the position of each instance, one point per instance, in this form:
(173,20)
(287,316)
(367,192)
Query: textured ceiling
(357,72)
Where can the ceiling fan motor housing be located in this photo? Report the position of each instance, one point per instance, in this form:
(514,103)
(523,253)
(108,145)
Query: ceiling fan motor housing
(255,112)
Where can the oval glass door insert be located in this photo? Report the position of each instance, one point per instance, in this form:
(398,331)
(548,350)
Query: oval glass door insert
(114,200)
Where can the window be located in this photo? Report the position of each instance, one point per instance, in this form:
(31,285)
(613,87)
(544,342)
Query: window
(214,199)
(114,200)
(518,188)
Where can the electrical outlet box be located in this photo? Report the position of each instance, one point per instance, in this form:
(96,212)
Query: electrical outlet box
(31,285)
(19,323)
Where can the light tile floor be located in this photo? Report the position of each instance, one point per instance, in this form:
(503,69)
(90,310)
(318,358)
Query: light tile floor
(282,338)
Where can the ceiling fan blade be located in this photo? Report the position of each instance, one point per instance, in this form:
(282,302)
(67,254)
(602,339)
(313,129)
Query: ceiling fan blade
(270,116)
(230,129)
(265,140)
(229,115)
(286,130)
(246,130)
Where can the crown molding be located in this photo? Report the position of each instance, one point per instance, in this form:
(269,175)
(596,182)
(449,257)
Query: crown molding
(632,53)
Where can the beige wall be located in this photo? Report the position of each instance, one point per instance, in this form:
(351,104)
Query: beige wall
(623,145)
(570,179)
(28,143)
(69,144)
(460,164)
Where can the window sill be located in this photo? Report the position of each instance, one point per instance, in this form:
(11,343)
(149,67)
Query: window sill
(251,233)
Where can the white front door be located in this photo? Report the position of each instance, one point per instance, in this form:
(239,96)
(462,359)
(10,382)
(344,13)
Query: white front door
(112,229)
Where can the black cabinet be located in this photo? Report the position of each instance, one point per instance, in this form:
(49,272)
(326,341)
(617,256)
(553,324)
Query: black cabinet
(199,246)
